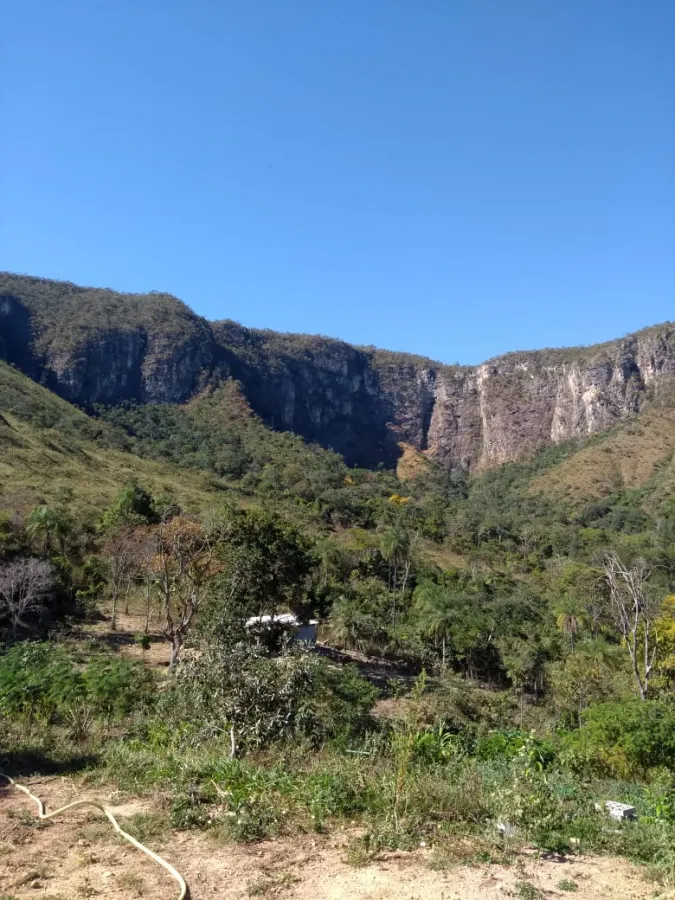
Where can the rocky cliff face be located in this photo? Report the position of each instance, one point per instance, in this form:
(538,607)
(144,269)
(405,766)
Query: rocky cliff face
(98,346)
(515,404)
(95,346)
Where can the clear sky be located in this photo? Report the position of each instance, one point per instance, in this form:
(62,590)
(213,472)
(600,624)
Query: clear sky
(455,178)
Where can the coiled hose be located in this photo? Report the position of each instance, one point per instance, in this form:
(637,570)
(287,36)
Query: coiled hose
(78,804)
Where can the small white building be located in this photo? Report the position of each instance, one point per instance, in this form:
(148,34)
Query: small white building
(285,622)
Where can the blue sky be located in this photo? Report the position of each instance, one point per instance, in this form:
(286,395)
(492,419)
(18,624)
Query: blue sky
(456,178)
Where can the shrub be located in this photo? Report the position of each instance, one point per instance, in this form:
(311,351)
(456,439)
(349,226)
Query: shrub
(261,698)
(114,687)
(41,681)
(36,681)
(626,739)
(344,702)
(508,743)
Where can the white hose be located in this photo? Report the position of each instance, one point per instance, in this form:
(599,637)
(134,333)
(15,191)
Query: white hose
(183,895)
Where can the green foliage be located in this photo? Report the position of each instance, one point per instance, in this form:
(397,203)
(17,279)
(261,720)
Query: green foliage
(525,890)
(266,561)
(360,616)
(343,702)
(511,743)
(592,674)
(261,698)
(626,738)
(39,682)
(218,433)
(115,687)
(133,505)
(142,640)
(93,584)
(50,527)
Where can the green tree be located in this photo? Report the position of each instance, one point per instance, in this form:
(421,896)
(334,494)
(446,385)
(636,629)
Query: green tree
(437,612)
(241,689)
(570,616)
(265,562)
(133,506)
(590,675)
(358,620)
(396,545)
(50,527)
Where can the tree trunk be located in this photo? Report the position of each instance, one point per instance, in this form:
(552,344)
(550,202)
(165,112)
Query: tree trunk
(147,605)
(176,646)
(113,613)
(406,573)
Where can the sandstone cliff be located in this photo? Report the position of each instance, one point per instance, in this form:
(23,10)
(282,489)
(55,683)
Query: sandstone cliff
(98,346)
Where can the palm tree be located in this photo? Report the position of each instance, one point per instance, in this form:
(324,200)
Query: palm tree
(331,559)
(395,548)
(570,616)
(49,525)
(344,625)
(438,613)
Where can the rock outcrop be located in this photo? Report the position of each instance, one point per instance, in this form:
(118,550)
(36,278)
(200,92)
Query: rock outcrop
(98,346)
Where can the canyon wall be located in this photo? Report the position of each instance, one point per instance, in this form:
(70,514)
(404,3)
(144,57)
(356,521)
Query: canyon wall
(99,346)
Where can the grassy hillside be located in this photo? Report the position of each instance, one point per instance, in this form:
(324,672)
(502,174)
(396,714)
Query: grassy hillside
(51,452)
(203,452)
(626,457)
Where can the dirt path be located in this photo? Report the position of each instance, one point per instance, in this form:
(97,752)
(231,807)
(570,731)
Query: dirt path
(80,857)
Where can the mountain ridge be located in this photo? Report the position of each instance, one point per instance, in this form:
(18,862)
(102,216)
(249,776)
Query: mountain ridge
(98,346)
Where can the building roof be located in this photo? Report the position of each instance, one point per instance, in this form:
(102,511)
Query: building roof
(283,619)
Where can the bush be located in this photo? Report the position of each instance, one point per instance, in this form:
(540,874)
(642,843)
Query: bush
(626,739)
(344,702)
(41,682)
(36,681)
(508,743)
(115,687)
(261,698)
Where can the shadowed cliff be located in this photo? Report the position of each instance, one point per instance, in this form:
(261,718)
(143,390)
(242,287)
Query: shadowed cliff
(98,346)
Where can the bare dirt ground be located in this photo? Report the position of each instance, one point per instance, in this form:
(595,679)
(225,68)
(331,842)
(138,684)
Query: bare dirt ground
(79,856)
(122,640)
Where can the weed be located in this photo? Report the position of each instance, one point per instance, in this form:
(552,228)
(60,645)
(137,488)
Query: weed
(566,884)
(525,890)
(94,831)
(663,866)
(80,720)
(271,884)
(86,888)
(133,883)
(147,826)
(22,816)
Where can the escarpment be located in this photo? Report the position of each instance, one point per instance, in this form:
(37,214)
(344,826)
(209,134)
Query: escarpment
(98,346)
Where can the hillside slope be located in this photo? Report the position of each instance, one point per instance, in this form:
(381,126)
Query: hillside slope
(98,346)
(638,454)
(54,454)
